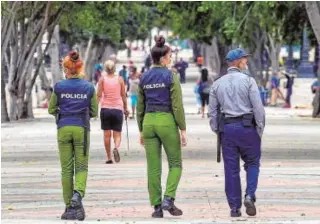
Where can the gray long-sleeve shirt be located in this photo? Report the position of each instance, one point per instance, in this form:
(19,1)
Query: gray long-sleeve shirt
(237,94)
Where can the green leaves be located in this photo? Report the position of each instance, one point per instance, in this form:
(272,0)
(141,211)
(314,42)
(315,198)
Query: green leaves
(232,21)
(114,21)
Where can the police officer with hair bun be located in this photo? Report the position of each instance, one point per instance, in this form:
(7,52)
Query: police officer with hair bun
(235,101)
(160,116)
(73,102)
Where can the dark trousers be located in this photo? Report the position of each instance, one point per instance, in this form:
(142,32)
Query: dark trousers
(237,141)
(182,77)
(288,96)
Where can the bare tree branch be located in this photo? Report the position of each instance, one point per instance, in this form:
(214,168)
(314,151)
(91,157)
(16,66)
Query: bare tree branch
(5,39)
(244,18)
(34,44)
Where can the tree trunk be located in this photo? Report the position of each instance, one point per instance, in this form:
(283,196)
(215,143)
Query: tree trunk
(313,10)
(223,50)
(26,37)
(81,48)
(150,39)
(27,110)
(108,51)
(252,67)
(44,81)
(13,112)
(12,85)
(195,49)
(212,58)
(91,62)
(4,108)
(316,104)
(255,63)
(128,52)
(274,53)
(86,56)
(54,54)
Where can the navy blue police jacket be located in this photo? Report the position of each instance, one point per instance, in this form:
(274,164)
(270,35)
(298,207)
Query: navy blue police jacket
(156,84)
(74,98)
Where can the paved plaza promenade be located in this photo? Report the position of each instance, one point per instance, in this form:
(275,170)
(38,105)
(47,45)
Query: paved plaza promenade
(288,192)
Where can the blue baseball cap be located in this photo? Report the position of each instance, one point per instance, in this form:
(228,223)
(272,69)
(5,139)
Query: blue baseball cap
(236,54)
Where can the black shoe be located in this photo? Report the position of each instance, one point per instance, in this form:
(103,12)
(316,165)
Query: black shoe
(235,212)
(158,213)
(76,204)
(168,205)
(109,162)
(249,204)
(69,214)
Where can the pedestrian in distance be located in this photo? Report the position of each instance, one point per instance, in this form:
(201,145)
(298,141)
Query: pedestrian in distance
(289,86)
(315,89)
(133,90)
(241,125)
(181,67)
(198,98)
(200,61)
(113,101)
(73,102)
(275,90)
(124,74)
(204,84)
(97,73)
(160,115)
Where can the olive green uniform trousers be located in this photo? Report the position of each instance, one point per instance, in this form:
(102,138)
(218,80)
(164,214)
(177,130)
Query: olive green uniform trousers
(160,129)
(73,161)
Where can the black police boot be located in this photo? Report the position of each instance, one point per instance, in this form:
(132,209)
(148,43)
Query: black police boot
(158,213)
(168,205)
(249,204)
(235,212)
(76,204)
(69,214)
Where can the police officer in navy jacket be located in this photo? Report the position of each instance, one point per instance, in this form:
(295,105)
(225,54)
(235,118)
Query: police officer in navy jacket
(73,102)
(160,115)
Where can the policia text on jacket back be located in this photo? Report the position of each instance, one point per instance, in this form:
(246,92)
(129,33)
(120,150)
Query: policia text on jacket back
(240,126)
(160,115)
(73,102)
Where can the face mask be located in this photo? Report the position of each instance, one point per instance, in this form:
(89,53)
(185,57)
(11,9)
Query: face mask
(245,71)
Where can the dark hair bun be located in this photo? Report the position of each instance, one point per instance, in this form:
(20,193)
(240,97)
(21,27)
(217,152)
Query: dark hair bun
(74,55)
(160,41)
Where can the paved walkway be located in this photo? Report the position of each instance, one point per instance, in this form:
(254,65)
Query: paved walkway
(288,187)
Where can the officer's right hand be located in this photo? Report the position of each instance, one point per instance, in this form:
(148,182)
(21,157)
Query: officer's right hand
(183,137)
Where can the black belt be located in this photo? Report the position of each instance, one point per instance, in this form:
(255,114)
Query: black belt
(246,119)
(230,120)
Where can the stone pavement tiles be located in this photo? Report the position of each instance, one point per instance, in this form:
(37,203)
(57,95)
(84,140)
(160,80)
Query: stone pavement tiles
(288,187)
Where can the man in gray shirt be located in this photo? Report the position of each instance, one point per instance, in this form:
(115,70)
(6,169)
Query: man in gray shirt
(237,96)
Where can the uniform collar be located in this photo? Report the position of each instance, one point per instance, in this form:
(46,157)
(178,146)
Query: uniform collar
(158,66)
(77,76)
(233,69)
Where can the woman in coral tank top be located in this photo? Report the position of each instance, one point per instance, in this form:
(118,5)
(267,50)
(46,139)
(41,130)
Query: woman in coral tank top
(113,101)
